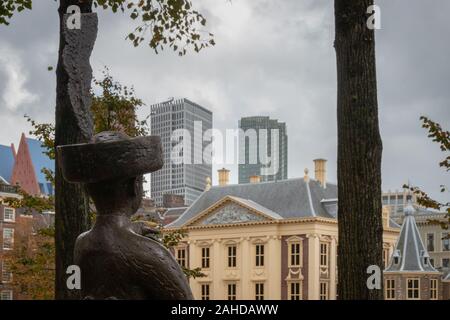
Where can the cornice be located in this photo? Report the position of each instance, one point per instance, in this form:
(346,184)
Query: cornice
(319,220)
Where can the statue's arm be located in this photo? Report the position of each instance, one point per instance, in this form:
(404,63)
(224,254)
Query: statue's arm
(164,278)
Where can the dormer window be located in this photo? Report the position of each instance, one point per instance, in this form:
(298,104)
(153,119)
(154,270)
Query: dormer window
(425,257)
(396,257)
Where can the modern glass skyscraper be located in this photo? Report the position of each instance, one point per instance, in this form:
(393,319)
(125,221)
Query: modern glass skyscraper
(182,177)
(260,145)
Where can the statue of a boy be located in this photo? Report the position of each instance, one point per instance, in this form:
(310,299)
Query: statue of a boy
(115,261)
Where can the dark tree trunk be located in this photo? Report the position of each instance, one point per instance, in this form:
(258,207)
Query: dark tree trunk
(359,151)
(71,202)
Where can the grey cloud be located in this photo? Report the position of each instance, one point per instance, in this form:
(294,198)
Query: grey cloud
(276,58)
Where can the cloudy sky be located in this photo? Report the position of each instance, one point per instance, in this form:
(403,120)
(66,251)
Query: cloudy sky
(272,58)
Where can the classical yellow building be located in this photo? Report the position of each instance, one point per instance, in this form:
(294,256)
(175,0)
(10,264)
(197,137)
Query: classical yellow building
(266,240)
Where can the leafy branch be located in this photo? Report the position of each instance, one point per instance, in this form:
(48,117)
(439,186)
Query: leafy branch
(164,23)
(29,202)
(442,137)
(9,7)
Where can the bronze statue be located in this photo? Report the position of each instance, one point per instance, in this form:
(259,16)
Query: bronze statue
(116,260)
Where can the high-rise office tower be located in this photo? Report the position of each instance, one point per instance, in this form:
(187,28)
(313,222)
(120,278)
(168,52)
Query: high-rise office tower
(263,149)
(181,124)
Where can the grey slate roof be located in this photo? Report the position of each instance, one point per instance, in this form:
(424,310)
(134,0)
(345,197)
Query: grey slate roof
(446,277)
(175,211)
(410,255)
(393,224)
(291,198)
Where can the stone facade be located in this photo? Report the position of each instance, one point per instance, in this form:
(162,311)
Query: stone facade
(280,276)
(292,272)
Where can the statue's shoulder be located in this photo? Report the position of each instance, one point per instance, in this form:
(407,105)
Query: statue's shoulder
(84,235)
(83,238)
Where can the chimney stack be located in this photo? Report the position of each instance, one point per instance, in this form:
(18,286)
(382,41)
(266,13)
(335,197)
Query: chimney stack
(320,171)
(255,179)
(385,216)
(208,183)
(224,176)
(306,177)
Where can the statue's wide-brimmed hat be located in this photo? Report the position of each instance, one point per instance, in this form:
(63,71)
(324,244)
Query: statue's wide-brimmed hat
(110,156)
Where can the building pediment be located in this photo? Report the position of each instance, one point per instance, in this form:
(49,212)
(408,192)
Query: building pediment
(232,210)
(231,213)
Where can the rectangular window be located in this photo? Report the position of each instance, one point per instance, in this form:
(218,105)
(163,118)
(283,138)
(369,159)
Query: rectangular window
(8,238)
(205,291)
(232,291)
(323,291)
(181,257)
(6,272)
(205,258)
(324,254)
(430,242)
(445,241)
(433,289)
(259,291)
(390,289)
(295,290)
(259,249)
(412,289)
(295,254)
(9,215)
(445,263)
(6,295)
(232,250)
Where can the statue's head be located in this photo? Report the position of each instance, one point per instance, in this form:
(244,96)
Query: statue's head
(111,165)
(122,195)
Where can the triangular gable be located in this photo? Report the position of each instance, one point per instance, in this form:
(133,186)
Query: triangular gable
(24,173)
(230,210)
